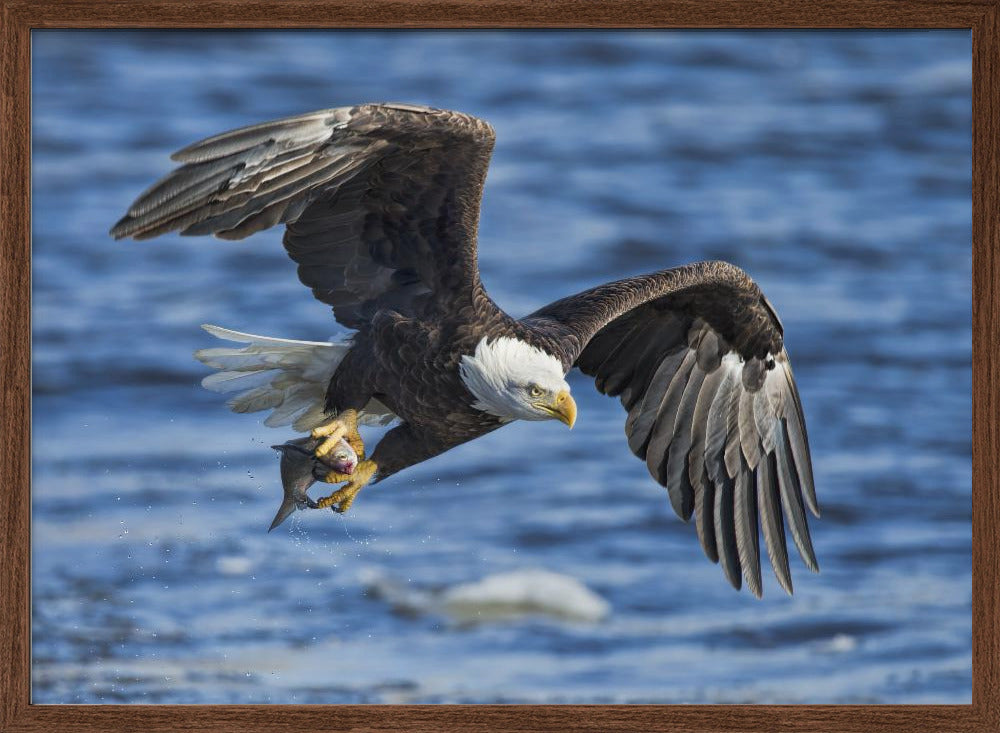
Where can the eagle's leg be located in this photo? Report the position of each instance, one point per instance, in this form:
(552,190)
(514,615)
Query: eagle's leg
(345,426)
(342,498)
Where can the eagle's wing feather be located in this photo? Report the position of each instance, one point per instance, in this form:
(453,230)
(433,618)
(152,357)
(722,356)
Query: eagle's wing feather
(381,202)
(697,358)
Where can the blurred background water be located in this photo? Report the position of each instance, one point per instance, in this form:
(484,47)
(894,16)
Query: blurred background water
(834,167)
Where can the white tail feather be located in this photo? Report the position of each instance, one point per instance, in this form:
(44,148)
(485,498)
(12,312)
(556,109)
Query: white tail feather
(288,377)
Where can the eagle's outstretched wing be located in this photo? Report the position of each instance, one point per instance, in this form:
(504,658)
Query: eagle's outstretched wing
(696,356)
(381,202)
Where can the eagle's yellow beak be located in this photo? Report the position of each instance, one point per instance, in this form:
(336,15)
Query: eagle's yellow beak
(563,408)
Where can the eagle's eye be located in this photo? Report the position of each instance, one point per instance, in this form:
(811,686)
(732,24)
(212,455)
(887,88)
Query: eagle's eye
(535,390)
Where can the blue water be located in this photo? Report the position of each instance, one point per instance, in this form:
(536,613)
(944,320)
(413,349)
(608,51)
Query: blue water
(834,167)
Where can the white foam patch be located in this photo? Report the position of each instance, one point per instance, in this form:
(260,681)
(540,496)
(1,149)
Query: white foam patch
(841,644)
(233,565)
(503,596)
(523,593)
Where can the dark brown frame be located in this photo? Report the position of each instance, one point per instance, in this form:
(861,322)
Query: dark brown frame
(19,17)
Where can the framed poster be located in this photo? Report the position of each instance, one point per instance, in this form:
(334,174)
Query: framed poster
(532,567)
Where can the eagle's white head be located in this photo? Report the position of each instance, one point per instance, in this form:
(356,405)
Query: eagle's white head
(517,381)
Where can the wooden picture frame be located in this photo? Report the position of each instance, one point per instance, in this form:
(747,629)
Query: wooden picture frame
(20,17)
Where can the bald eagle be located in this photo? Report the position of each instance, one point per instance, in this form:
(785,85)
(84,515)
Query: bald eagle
(381,206)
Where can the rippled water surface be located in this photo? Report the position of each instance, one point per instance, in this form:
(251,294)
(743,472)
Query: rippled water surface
(834,167)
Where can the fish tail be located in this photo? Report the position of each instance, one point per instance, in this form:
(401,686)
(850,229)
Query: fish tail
(296,477)
(288,505)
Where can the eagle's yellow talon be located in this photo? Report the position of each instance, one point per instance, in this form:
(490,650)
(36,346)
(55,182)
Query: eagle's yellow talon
(344,422)
(346,502)
(326,447)
(342,498)
(345,426)
(336,478)
(327,501)
(354,440)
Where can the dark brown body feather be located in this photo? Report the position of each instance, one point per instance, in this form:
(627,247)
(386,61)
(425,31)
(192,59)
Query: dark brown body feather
(381,204)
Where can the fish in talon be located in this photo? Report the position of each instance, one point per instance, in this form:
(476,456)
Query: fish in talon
(342,459)
(299,467)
